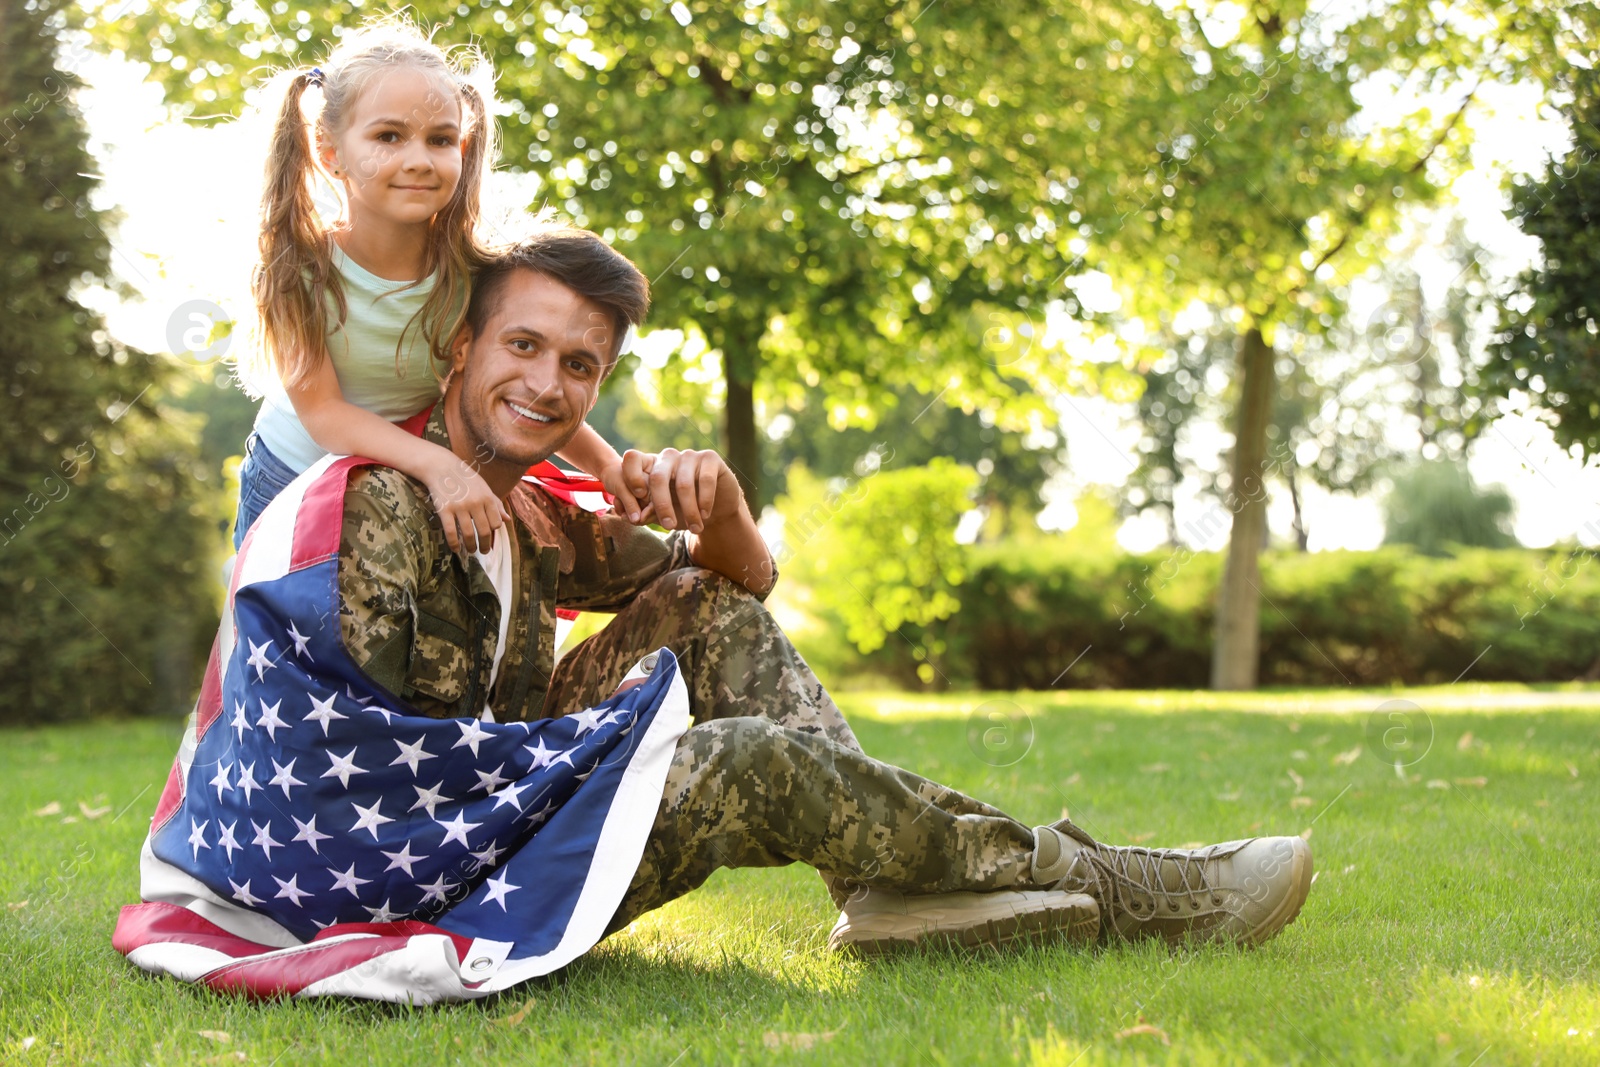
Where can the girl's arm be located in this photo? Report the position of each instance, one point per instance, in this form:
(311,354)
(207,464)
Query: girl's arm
(593,455)
(469,510)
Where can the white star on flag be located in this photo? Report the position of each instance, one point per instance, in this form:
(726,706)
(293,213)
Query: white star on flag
(471,734)
(228,841)
(247,781)
(411,755)
(301,642)
(197,836)
(428,798)
(285,776)
(309,834)
(242,893)
(264,839)
(436,890)
(322,712)
(456,829)
(290,889)
(541,755)
(403,859)
(259,660)
(370,820)
(498,888)
(269,720)
(489,781)
(537,817)
(347,880)
(343,767)
(487,856)
(586,720)
(382,914)
(240,724)
(511,794)
(221,780)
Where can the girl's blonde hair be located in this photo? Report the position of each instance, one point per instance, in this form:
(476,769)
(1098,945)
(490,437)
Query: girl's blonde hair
(296,266)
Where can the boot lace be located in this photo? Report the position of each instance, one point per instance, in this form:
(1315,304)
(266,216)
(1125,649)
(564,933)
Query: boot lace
(1124,875)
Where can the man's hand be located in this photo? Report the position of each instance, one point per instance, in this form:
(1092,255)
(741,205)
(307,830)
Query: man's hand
(689,490)
(696,491)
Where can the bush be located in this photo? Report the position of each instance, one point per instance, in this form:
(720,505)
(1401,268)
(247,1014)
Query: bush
(1333,618)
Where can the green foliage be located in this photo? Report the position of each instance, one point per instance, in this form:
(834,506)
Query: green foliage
(880,552)
(1436,505)
(106,519)
(1335,618)
(1548,344)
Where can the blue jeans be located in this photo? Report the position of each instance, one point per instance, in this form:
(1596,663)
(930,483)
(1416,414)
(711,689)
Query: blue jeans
(262,476)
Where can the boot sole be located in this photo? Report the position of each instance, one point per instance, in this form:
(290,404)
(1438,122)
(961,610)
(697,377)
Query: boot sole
(1075,920)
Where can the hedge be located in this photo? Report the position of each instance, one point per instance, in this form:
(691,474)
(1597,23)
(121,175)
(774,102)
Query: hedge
(1330,618)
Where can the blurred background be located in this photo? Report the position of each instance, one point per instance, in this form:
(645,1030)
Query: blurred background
(1111,344)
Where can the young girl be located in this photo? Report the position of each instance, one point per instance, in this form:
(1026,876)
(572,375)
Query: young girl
(351,316)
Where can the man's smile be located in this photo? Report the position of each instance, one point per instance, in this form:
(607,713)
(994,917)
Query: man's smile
(528,413)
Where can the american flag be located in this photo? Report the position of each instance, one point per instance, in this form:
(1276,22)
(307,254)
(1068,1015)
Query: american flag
(317,837)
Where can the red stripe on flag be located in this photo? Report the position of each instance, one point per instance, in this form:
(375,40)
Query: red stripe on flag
(171,796)
(152,924)
(288,972)
(208,707)
(320,521)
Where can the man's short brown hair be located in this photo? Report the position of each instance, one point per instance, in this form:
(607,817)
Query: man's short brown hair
(576,258)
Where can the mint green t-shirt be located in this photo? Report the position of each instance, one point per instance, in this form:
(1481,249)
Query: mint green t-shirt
(363,355)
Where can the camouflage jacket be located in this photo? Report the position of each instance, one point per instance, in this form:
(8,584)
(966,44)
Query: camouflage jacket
(423,621)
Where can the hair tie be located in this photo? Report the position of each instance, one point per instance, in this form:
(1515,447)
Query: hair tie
(315,77)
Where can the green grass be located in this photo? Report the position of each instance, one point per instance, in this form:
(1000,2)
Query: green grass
(1455,917)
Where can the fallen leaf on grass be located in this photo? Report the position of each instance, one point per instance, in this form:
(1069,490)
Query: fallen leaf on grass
(1156,768)
(1301,802)
(1478,782)
(93,813)
(1344,759)
(1572,768)
(1142,1029)
(1299,782)
(221,1037)
(1465,742)
(16,905)
(1541,803)
(52,808)
(1141,838)
(1305,835)
(516,1017)
(775,1040)
(29,1042)
(1230,797)
(68,819)
(1438,783)
(1074,780)
(1348,869)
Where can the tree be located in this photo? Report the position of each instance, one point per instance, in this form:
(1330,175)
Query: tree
(1548,343)
(106,562)
(1435,505)
(1268,184)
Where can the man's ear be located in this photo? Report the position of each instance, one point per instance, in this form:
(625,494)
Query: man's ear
(460,347)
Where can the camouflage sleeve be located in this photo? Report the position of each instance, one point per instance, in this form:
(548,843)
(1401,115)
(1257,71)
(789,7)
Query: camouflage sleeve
(614,560)
(383,559)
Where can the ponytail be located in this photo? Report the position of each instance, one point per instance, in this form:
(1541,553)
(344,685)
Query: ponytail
(296,266)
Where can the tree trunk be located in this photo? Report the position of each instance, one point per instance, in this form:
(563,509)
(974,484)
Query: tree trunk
(743,444)
(1302,536)
(1236,652)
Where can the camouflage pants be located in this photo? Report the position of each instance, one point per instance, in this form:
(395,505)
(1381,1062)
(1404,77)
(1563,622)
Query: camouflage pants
(770,773)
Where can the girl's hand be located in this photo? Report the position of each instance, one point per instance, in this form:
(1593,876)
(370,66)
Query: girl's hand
(632,502)
(468,509)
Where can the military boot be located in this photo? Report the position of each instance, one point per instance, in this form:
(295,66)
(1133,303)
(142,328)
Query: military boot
(1243,891)
(875,922)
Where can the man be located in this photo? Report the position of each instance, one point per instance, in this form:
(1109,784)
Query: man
(768,773)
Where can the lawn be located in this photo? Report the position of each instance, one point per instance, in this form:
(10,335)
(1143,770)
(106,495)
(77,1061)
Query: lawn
(1455,917)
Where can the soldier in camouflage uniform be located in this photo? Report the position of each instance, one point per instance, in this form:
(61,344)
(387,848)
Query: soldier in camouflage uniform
(770,773)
